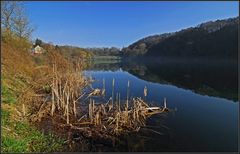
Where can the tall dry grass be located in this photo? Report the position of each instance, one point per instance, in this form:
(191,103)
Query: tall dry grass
(66,85)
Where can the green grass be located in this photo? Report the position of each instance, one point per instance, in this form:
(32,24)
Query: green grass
(7,95)
(10,144)
(21,137)
(5,117)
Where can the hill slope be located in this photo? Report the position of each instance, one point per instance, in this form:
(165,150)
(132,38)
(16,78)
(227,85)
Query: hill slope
(214,39)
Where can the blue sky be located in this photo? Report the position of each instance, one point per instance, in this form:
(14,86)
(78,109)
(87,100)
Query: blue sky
(98,24)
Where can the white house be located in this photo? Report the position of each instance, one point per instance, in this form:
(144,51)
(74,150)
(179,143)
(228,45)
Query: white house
(37,50)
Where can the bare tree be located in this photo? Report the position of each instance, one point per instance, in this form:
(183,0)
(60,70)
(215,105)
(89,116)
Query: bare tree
(21,23)
(7,14)
(14,19)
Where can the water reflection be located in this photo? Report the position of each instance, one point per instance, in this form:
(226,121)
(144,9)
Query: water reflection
(201,123)
(212,78)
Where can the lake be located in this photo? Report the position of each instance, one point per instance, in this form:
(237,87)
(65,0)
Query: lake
(202,95)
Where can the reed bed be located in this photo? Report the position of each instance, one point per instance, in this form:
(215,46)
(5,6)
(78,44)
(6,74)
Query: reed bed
(114,116)
(98,119)
(120,119)
(66,90)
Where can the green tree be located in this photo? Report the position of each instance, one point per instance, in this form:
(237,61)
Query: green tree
(38,42)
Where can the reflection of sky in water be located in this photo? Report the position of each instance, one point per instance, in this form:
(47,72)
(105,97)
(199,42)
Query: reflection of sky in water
(200,122)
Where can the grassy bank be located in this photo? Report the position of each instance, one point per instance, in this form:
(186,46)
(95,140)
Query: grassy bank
(17,134)
(23,78)
(20,136)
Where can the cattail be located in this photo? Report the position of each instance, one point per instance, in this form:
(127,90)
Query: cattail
(119,108)
(117,121)
(113,90)
(97,119)
(93,106)
(53,103)
(53,91)
(67,106)
(74,108)
(60,92)
(128,85)
(67,111)
(116,100)
(165,103)
(24,110)
(90,109)
(126,109)
(104,87)
(103,108)
(145,91)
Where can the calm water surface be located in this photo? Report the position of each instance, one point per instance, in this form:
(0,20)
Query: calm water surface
(203,97)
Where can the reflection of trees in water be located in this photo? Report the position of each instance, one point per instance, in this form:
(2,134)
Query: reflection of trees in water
(204,77)
(104,66)
(139,69)
(210,78)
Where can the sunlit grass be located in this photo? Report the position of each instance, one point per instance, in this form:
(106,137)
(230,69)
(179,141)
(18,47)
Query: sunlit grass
(21,137)
(7,95)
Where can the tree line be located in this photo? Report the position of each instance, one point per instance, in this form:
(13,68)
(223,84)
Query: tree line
(215,39)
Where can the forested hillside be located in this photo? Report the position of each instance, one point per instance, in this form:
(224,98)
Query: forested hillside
(214,39)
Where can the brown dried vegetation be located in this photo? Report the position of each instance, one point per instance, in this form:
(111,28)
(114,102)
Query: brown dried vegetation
(53,91)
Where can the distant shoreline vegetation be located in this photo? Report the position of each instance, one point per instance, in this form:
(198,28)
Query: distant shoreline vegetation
(211,40)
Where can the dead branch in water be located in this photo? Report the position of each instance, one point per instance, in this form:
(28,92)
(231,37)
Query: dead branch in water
(115,121)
